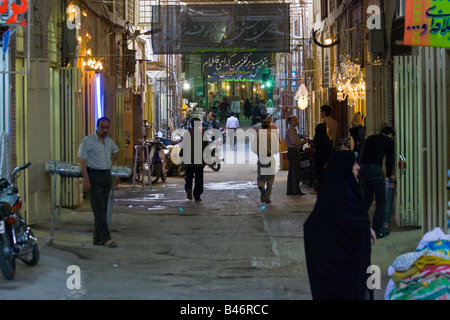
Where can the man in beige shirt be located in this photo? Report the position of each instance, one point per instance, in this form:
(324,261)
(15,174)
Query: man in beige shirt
(332,125)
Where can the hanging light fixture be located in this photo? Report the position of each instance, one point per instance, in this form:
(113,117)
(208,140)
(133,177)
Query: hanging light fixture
(349,81)
(89,61)
(302,96)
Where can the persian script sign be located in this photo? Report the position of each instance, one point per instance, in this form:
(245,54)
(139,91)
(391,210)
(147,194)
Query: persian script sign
(224,29)
(427,23)
(235,67)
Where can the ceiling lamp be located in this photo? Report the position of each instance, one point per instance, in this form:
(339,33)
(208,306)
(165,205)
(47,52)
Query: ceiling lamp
(349,81)
(302,96)
(328,42)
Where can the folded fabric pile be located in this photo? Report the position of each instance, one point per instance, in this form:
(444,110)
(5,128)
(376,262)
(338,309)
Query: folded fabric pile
(423,274)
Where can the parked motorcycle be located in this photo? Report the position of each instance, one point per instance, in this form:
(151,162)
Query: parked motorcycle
(214,150)
(307,174)
(159,156)
(175,166)
(224,135)
(178,169)
(16,238)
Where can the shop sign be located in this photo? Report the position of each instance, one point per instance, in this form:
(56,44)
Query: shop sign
(427,23)
(234,67)
(10,12)
(11,17)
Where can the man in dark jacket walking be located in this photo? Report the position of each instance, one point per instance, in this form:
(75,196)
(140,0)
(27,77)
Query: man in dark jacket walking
(192,150)
(378,147)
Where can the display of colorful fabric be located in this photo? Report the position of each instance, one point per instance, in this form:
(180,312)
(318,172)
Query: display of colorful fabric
(405,261)
(418,265)
(442,246)
(423,274)
(432,283)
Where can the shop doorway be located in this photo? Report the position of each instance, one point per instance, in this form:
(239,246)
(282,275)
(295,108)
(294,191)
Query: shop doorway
(422,142)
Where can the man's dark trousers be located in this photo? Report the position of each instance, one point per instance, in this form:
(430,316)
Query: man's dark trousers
(373,183)
(101,183)
(293,179)
(194,174)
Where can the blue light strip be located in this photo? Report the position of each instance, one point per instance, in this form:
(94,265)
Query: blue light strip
(98,96)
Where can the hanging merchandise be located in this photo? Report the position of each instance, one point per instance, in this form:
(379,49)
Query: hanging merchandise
(349,81)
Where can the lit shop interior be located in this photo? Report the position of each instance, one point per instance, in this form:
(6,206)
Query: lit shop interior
(209,79)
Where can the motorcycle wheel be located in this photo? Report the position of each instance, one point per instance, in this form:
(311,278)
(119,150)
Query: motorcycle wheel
(165,171)
(7,258)
(32,258)
(138,176)
(308,180)
(181,170)
(156,172)
(215,166)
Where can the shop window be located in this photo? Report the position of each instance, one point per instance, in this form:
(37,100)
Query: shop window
(401,8)
(145,11)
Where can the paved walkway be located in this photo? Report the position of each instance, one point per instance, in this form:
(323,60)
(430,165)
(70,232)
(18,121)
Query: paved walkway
(229,246)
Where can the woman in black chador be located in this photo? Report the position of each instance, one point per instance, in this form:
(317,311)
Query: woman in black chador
(338,233)
(323,146)
(247,109)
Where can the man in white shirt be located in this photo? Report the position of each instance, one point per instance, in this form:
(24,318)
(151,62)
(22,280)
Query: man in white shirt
(231,125)
(96,153)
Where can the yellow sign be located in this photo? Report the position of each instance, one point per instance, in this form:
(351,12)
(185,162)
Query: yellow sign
(427,23)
